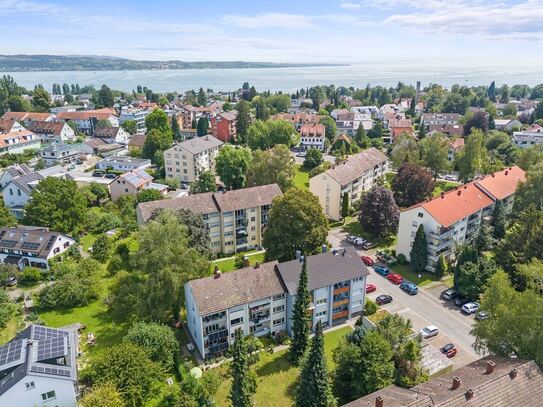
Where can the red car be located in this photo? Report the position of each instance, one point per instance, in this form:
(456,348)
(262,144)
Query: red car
(451,353)
(370,288)
(368,261)
(395,278)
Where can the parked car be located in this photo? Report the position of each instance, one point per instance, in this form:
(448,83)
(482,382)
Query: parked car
(395,278)
(359,241)
(470,307)
(446,348)
(460,301)
(352,238)
(368,261)
(110,176)
(409,288)
(97,174)
(451,353)
(11,281)
(429,331)
(370,288)
(368,245)
(384,271)
(383,299)
(301,154)
(449,294)
(482,315)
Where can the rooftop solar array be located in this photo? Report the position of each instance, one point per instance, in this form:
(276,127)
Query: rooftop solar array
(52,348)
(42,332)
(12,353)
(50,370)
(30,246)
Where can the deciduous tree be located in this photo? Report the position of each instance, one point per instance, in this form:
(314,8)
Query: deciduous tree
(379,214)
(313,158)
(272,166)
(130,126)
(103,395)
(205,183)
(231,165)
(471,158)
(435,153)
(157,339)
(412,184)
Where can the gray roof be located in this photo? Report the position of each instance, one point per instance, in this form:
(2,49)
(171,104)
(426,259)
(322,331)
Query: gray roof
(209,202)
(23,182)
(324,269)
(198,145)
(17,170)
(238,287)
(123,160)
(354,167)
(35,351)
(36,240)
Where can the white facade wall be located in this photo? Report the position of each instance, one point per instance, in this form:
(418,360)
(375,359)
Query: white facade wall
(20,396)
(14,196)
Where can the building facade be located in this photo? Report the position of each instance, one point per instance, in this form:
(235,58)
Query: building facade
(61,154)
(223,126)
(354,176)
(123,163)
(312,136)
(52,132)
(132,182)
(136,114)
(532,136)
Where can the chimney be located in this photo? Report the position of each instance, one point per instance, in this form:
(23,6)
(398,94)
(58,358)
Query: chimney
(456,383)
(513,373)
(257,265)
(469,394)
(459,192)
(506,172)
(379,401)
(490,367)
(443,195)
(324,248)
(298,254)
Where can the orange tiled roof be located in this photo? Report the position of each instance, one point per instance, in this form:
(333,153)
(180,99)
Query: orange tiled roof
(22,136)
(503,183)
(457,143)
(20,116)
(86,114)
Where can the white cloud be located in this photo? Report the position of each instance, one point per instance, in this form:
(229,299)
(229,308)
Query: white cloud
(269,20)
(350,6)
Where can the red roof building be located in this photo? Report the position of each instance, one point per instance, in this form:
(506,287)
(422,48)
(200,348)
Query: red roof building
(223,126)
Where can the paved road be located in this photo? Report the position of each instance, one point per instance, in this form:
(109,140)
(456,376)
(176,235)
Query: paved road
(425,308)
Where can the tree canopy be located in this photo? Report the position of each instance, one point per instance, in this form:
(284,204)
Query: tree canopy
(412,184)
(272,166)
(204,183)
(231,165)
(379,214)
(158,340)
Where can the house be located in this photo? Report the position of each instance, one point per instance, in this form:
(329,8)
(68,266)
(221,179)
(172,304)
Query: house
(532,136)
(186,160)
(188,114)
(112,134)
(39,368)
(14,142)
(136,142)
(86,120)
(429,119)
(61,154)
(298,119)
(354,176)
(455,217)
(223,126)
(312,136)
(102,147)
(259,299)
(392,116)
(133,182)
(51,131)
(187,134)
(348,123)
(10,125)
(488,382)
(336,112)
(236,219)
(450,130)
(31,246)
(507,124)
(455,145)
(12,172)
(123,163)
(29,116)
(136,114)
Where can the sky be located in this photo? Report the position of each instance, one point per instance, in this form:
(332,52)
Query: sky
(332,31)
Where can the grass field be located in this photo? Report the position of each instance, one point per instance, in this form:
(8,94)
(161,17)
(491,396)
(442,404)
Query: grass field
(301,177)
(276,377)
(8,332)
(444,186)
(408,274)
(228,264)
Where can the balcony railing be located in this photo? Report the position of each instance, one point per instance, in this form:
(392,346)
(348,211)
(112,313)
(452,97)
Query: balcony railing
(341,290)
(341,314)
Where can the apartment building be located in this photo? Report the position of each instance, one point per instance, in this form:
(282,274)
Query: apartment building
(348,123)
(186,160)
(134,113)
(18,141)
(298,119)
(259,299)
(61,153)
(532,136)
(86,120)
(428,119)
(312,136)
(354,176)
(454,218)
(51,132)
(236,219)
(29,116)
(223,126)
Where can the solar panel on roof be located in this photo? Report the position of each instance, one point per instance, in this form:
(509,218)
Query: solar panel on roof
(42,332)
(30,246)
(8,243)
(50,242)
(11,353)
(52,348)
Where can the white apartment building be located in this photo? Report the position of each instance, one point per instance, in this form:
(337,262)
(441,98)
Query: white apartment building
(427,119)
(186,160)
(259,299)
(136,114)
(39,368)
(532,136)
(454,218)
(354,176)
(236,219)
(86,120)
(312,136)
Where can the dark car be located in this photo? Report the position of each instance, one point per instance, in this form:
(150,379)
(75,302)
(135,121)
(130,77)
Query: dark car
(97,174)
(110,176)
(459,301)
(384,271)
(447,348)
(383,299)
(409,288)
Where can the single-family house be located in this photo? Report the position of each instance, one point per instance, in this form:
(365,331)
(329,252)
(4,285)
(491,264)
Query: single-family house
(51,132)
(132,182)
(532,136)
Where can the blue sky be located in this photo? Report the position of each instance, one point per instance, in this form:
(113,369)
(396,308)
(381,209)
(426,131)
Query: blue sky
(351,31)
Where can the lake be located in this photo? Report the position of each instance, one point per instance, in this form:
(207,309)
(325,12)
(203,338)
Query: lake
(288,79)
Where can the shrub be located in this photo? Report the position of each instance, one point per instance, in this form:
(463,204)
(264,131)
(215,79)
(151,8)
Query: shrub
(30,275)
(370,308)
(401,258)
(70,291)
(157,340)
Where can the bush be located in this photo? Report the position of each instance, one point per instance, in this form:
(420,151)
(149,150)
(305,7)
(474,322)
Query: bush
(101,248)
(401,258)
(281,337)
(370,308)
(71,291)
(30,275)
(157,340)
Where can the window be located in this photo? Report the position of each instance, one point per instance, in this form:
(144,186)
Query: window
(322,301)
(421,214)
(278,297)
(415,224)
(236,321)
(321,314)
(279,321)
(279,308)
(30,385)
(50,395)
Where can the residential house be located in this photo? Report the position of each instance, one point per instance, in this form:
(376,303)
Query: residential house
(61,154)
(51,132)
(454,218)
(187,134)
(10,125)
(488,382)
(532,136)
(31,246)
(14,142)
(312,136)
(136,114)
(336,112)
(188,114)
(112,134)
(392,116)
(259,299)
(12,172)
(455,145)
(186,160)
(236,219)
(123,163)
(298,119)
(86,120)
(132,182)
(348,123)
(507,125)
(223,126)
(103,147)
(398,128)
(29,116)
(428,119)
(39,368)
(136,142)
(354,176)
(450,130)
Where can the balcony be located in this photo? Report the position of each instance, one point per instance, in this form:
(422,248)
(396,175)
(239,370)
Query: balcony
(340,303)
(341,290)
(341,314)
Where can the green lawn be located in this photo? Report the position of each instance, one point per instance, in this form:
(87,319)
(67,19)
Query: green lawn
(301,177)
(353,227)
(407,273)
(228,264)
(444,186)
(276,377)
(8,332)
(87,241)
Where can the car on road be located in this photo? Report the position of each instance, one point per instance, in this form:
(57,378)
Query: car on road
(409,288)
(444,349)
(368,261)
(383,299)
(370,288)
(384,271)
(359,241)
(429,331)
(449,294)
(97,174)
(470,307)
(482,315)
(451,353)
(368,245)
(395,278)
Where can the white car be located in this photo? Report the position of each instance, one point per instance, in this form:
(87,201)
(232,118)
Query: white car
(471,307)
(352,238)
(359,241)
(429,331)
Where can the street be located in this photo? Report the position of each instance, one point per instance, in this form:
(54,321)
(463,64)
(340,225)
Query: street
(425,308)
